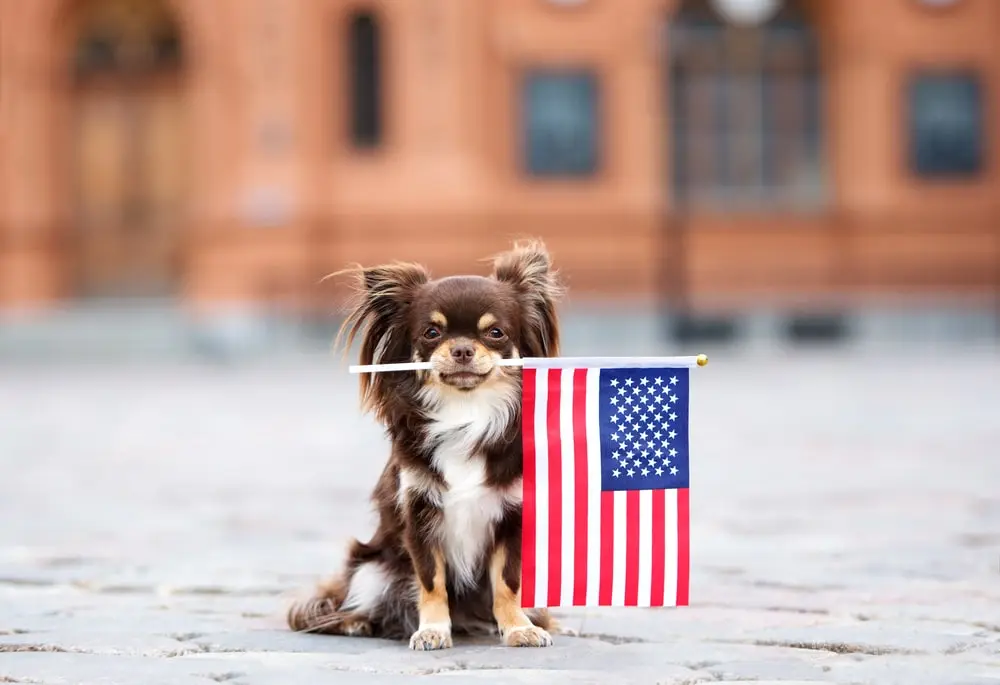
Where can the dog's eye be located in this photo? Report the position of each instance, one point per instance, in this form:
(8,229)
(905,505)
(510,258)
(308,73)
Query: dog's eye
(432,333)
(495,333)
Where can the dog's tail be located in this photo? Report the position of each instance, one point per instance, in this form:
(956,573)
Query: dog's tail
(321,613)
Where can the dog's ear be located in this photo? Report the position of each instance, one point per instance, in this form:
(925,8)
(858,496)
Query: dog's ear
(527,267)
(378,311)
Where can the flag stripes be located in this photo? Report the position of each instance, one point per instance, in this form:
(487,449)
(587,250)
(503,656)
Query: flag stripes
(582,545)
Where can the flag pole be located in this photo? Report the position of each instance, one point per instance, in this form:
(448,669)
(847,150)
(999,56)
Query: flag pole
(550,362)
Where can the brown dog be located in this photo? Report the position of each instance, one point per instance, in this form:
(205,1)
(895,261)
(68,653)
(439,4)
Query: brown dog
(446,555)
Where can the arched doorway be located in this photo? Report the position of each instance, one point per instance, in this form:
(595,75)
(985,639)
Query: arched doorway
(126,148)
(746,110)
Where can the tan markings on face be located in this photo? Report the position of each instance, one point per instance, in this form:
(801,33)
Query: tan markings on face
(439,319)
(486,321)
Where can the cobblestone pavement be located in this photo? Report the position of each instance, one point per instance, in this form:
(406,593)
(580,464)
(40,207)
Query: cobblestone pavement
(155,520)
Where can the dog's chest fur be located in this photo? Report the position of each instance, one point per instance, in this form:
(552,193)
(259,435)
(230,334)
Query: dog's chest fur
(470,504)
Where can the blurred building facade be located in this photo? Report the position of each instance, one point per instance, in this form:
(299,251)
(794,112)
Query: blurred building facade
(220,151)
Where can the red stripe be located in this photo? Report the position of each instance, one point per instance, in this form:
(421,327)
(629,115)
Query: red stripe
(580,482)
(659,552)
(607,547)
(632,548)
(555,489)
(683,547)
(528,505)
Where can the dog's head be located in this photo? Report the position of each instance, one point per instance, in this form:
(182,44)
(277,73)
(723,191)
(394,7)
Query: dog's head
(463,325)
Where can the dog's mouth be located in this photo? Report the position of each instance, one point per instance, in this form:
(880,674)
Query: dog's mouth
(464,380)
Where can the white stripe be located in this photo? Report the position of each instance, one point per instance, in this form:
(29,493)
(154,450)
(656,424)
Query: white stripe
(593,487)
(645,547)
(569,486)
(541,490)
(670,567)
(621,530)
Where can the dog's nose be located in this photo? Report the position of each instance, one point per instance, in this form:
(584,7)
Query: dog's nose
(463,353)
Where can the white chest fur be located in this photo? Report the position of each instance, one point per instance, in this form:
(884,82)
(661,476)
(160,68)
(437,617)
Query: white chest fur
(471,509)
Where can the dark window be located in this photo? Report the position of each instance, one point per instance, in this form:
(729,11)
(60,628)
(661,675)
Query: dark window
(109,46)
(167,48)
(96,52)
(745,106)
(560,123)
(945,124)
(365,67)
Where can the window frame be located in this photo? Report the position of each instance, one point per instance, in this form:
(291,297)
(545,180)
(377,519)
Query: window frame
(365,125)
(591,77)
(963,75)
(696,34)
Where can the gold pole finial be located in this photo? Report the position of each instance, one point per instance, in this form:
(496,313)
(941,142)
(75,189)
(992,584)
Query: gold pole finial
(702,359)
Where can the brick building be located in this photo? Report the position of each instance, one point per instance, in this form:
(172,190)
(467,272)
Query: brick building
(236,150)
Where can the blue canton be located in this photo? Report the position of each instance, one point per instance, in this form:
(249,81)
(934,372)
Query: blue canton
(643,416)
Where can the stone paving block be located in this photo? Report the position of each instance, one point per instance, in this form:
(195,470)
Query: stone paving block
(914,670)
(658,625)
(879,637)
(55,668)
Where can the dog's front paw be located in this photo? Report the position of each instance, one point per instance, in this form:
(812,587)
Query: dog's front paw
(527,636)
(431,637)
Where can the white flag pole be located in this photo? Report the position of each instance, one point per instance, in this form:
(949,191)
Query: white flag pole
(550,362)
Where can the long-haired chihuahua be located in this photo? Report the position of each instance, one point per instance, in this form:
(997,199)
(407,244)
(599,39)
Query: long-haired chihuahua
(446,555)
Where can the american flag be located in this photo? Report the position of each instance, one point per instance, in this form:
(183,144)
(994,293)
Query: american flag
(605,487)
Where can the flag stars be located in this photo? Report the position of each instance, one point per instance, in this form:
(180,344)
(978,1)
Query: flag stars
(640,430)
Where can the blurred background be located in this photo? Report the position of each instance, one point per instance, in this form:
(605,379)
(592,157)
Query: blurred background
(179,174)
(806,190)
